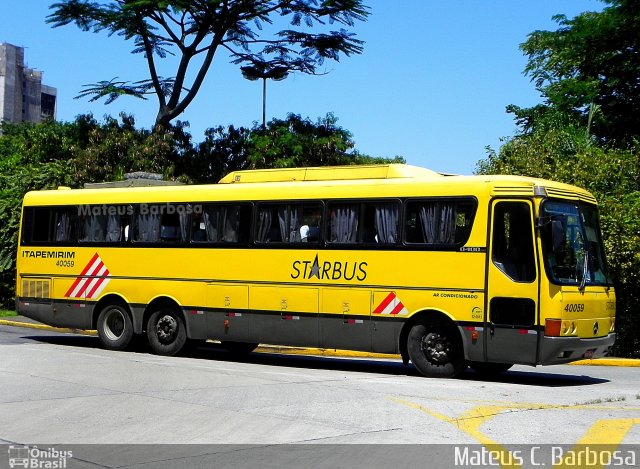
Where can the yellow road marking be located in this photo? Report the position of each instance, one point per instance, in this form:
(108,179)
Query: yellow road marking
(469,423)
(608,434)
(608,431)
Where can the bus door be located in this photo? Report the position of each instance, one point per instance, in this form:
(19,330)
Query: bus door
(511,319)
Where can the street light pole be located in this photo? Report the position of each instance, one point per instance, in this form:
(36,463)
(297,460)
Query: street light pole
(264,102)
(264,71)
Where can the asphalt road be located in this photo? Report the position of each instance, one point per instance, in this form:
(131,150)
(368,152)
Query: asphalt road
(63,389)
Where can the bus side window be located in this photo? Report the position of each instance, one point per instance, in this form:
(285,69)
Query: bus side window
(343,223)
(222,223)
(439,222)
(512,243)
(288,223)
(53,225)
(381,223)
(161,223)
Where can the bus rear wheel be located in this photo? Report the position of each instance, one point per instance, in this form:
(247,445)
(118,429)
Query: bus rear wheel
(435,348)
(166,332)
(115,328)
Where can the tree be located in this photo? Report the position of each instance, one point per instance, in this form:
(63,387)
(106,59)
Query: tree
(283,143)
(31,157)
(196,30)
(588,68)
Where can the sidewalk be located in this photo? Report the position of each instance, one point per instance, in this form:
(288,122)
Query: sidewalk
(21,321)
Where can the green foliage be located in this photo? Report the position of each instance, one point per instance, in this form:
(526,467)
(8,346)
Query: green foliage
(116,147)
(590,63)
(225,149)
(31,157)
(196,30)
(283,143)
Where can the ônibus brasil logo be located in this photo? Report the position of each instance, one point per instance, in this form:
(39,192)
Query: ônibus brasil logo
(91,281)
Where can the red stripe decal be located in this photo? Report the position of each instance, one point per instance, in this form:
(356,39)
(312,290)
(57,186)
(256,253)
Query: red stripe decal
(98,283)
(84,272)
(90,273)
(399,307)
(384,303)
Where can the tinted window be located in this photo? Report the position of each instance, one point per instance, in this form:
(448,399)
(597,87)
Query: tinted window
(103,223)
(439,222)
(369,223)
(161,223)
(512,244)
(223,223)
(288,223)
(51,225)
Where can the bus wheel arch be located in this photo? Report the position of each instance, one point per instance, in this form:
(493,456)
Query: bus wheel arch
(431,340)
(113,320)
(165,326)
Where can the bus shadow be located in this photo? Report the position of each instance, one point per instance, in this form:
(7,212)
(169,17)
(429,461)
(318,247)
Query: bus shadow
(213,351)
(536,378)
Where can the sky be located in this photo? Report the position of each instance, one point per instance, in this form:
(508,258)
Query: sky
(431,86)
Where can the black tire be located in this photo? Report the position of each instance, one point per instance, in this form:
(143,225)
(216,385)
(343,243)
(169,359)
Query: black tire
(489,369)
(166,332)
(239,348)
(435,348)
(115,328)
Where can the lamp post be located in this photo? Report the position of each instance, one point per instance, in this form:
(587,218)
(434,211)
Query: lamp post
(264,71)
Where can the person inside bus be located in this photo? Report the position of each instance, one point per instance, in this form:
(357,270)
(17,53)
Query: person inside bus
(310,230)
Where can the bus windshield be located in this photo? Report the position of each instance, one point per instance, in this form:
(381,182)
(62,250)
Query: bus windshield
(572,244)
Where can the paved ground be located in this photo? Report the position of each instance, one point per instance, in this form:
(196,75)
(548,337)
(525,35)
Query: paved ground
(65,389)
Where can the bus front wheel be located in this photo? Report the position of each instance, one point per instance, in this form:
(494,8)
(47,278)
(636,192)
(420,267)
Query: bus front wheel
(115,328)
(435,348)
(166,332)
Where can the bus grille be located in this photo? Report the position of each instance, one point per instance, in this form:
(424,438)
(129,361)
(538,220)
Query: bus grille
(36,289)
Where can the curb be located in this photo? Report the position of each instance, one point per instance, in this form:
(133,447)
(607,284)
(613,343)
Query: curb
(43,327)
(620,362)
(628,362)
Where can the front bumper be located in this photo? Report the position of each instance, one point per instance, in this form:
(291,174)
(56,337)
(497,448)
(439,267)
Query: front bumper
(556,350)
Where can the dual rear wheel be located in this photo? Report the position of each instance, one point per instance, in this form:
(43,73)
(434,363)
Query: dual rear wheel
(115,328)
(166,331)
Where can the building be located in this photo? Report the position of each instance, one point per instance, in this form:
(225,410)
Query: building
(23,97)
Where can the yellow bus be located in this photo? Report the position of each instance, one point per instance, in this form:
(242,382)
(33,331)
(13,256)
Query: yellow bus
(447,271)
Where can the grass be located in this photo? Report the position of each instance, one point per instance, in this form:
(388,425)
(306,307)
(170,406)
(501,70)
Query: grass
(4,313)
(606,399)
